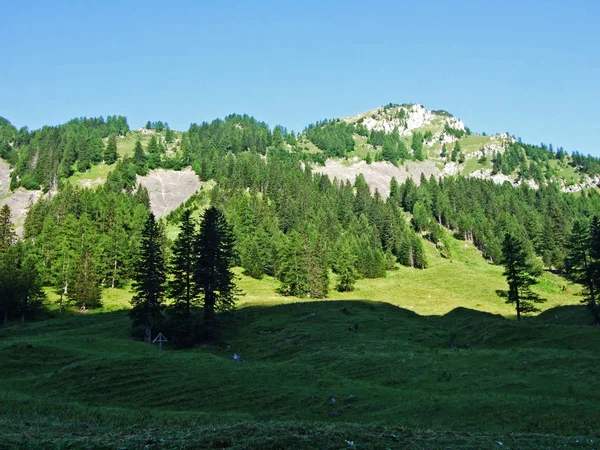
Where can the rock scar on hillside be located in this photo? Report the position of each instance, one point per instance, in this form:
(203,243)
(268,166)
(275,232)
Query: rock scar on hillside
(379,174)
(18,201)
(169,188)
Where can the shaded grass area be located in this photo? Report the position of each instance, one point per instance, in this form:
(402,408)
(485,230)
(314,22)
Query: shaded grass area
(465,380)
(317,373)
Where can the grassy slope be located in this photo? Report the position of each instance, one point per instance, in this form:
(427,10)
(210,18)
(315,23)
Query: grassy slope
(398,383)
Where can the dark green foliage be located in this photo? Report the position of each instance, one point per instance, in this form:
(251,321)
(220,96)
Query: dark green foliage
(345,267)
(583,262)
(21,293)
(521,272)
(417,146)
(140,161)
(213,276)
(7,233)
(110,152)
(181,287)
(104,224)
(84,291)
(149,277)
(454,131)
(333,137)
(44,156)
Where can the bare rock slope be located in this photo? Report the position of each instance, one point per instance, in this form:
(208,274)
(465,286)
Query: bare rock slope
(18,201)
(169,188)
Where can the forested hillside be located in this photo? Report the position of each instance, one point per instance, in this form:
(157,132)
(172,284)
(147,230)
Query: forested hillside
(311,232)
(426,238)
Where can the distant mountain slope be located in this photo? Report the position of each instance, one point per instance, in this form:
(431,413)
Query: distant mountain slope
(438,144)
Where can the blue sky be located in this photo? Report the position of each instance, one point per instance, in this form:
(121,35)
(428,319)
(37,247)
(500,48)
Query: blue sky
(528,67)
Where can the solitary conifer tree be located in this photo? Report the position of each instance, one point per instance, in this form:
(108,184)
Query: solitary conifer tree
(521,273)
(149,279)
(110,152)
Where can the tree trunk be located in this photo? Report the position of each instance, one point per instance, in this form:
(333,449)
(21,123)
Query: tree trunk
(6,318)
(148,335)
(114,275)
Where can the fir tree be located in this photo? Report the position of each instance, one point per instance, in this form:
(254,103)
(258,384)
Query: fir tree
(110,152)
(85,287)
(149,278)
(139,159)
(181,287)
(345,268)
(215,258)
(7,234)
(521,273)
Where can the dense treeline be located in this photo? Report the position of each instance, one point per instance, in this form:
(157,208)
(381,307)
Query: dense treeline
(333,137)
(86,240)
(483,212)
(21,293)
(296,226)
(42,157)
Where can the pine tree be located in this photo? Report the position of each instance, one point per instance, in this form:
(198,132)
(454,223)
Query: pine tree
(521,273)
(139,159)
(85,290)
(110,152)
(181,287)
(215,258)
(7,234)
(345,268)
(293,276)
(149,277)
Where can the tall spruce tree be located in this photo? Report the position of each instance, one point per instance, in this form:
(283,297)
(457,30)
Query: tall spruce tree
(181,287)
(7,233)
(215,258)
(139,159)
(521,272)
(110,151)
(149,277)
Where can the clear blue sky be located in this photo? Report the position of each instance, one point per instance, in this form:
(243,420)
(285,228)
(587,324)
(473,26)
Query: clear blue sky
(528,67)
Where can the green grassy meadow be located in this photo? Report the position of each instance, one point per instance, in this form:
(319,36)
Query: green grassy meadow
(435,360)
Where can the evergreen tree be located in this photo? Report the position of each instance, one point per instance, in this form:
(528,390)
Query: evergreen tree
(345,268)
(110,152)
(85,290)
(7,234)
(521,272)
(215,258)
(293,276)
(149,277)
(181,287)
(139,159)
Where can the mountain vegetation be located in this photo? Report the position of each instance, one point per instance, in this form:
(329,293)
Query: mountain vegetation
(267,221)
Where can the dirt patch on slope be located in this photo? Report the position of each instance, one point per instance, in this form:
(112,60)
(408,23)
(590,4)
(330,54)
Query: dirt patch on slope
(169,188)
(379,174)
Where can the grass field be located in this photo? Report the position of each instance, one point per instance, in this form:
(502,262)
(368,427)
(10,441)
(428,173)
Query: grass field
(418,372)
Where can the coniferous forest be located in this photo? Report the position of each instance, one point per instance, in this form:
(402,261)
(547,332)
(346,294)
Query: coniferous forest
(268,223)
(286,221)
